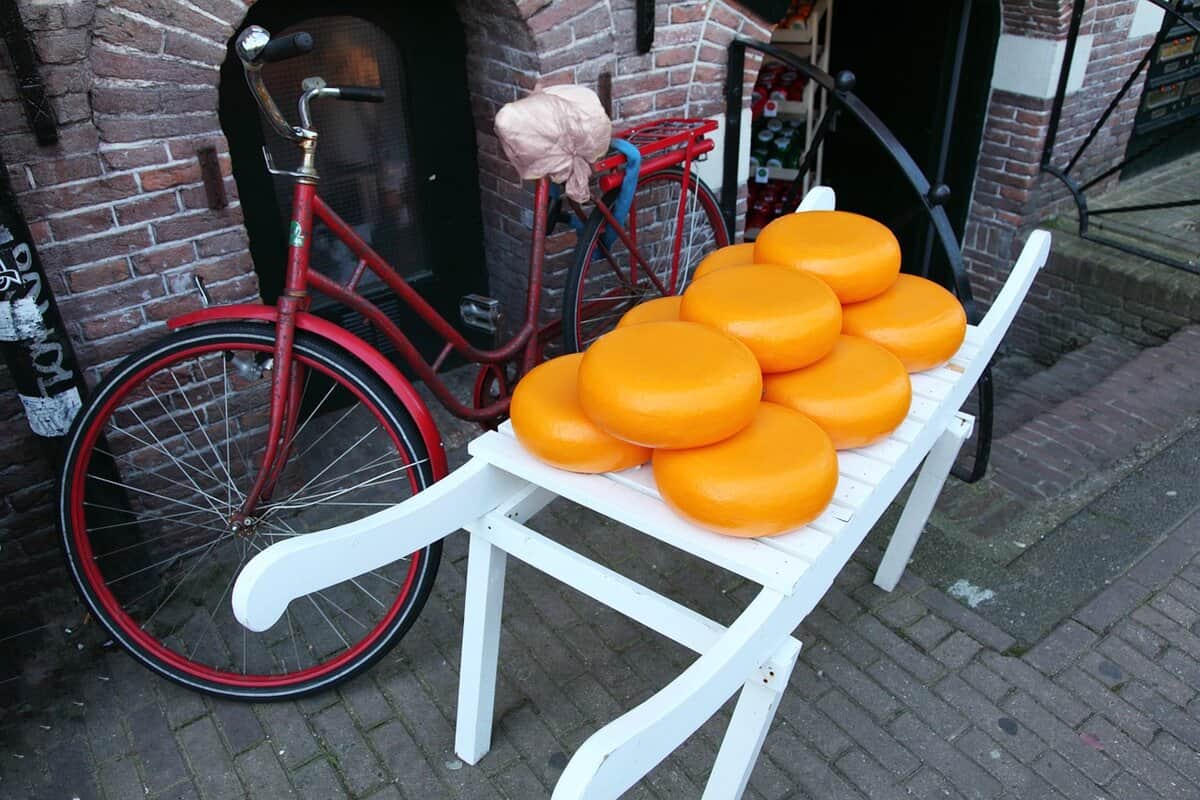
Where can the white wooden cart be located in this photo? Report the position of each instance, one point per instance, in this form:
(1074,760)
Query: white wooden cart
(502,486)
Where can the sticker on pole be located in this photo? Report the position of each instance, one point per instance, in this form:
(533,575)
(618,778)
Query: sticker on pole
(51,416)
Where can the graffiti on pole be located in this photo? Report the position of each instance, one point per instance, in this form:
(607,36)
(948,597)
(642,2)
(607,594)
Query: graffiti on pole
(38,352)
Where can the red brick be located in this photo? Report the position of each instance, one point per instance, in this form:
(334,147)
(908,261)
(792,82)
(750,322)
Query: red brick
(164,258)
(692,12)
(154,180)
(674,56)
(48,173)
(62,46)
(136,129)
(147,208)
(114,244)
(118,158)
(126,31)
(222,243)
(185,226)
(179,15)
(194,48)
(113,64)
(112,324)
(95,276)
(82,224)
(43,202)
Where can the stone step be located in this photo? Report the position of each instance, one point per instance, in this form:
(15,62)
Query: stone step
(1018,401)
(1047,467)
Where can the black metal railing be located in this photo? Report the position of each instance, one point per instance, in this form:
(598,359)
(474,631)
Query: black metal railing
(1079,187)
(930,197)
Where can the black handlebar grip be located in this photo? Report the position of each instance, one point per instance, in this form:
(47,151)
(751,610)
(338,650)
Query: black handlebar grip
(285,47)
(362,94)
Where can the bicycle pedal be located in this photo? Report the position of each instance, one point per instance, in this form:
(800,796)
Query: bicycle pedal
(480,312)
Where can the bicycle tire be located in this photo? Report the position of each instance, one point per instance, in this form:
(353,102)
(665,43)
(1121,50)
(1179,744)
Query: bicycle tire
(580,324)
(112,562)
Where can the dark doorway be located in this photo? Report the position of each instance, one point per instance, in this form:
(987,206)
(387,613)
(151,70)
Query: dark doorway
(402,173)
(904,61)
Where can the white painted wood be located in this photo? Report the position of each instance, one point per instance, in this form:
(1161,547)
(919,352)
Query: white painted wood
(677,622)
(756,706)
(995,323)
(305,564)
(483,605)
(818,198)
(920,503)
(750,558)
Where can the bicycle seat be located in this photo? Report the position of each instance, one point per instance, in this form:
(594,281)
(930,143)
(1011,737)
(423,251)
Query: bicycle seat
(556,132)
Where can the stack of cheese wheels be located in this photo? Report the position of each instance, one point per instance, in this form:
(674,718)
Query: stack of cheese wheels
(741,390)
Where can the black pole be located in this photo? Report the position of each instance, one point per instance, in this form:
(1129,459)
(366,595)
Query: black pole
(735,74)
(948,123)
(30,86)
(1064,74)
(32,337)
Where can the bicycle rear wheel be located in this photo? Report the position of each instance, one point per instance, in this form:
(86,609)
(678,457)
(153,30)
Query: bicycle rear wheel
(159,461)
(605,281)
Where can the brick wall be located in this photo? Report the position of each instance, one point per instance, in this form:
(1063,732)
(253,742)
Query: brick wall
(1012,196)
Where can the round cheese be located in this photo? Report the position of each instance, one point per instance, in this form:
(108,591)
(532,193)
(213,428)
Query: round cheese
(777,474)
(669,384)
(728,256)
(858,394)
(921,323)
(788,319)
(660,309)
(549,422)
(857,256)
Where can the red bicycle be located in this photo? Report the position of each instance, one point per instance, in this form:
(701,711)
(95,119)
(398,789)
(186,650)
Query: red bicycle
(253,423)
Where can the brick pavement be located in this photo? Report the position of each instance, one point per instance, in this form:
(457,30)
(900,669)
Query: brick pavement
(906,694)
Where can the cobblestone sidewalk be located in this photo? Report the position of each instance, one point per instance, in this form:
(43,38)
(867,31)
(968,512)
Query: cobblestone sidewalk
(907,694)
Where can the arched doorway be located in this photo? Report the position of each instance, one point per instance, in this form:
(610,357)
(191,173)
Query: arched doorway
(403,173)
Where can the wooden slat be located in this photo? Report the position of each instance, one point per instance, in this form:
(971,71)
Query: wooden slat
(749,558)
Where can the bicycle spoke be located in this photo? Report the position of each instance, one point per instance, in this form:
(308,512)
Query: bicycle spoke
(120,485)
(203,430)
(169,559)
(212,500)
(175,422)
(160,447)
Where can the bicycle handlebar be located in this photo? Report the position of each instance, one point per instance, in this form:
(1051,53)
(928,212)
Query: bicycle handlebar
(362,94)
(296,44)
(255,47)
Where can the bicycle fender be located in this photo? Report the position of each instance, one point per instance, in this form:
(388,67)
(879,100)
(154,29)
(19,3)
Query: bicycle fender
(376,361)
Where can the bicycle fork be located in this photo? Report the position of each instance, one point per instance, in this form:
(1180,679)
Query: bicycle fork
(287,379)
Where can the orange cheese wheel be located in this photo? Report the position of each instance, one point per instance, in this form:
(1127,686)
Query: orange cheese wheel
(858,394)
(857,256)
(921,323)
(549,422)
(788,319)
(660,309)
(669,384)
(728,256)
(774,476)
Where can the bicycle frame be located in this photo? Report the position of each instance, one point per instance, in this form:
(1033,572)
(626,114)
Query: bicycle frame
(523,349)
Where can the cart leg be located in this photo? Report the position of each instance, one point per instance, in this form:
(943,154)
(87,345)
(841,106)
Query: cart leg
(480,648)
(751,720)
(920,503)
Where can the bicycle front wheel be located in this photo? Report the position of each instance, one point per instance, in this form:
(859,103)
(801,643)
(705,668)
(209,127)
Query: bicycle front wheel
(160,460)
(605,281)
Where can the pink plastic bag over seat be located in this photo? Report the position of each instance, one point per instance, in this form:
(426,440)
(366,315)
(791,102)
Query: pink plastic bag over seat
(556,132)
